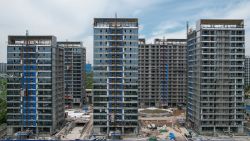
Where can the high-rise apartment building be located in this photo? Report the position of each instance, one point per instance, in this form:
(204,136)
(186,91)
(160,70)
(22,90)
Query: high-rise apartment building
(151,75)
(35,92)
(216,76)
(115,76)
(247,71)
(3,67)
(162,73)
(74,73)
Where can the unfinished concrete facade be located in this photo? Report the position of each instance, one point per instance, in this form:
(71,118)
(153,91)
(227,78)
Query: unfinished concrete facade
(3,67)
(216,76)
(35,92)
(162,73)
(115,76)
(74,73)
(247,71)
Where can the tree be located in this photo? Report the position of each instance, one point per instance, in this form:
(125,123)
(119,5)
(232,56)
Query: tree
(247,89)
(89,80)
(3,104)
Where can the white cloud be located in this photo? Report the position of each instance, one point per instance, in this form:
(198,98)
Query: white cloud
(181,34)
(73,19)
(88,42)
(66,19)
(163,27)
(141,27)
(241,11)
(230,10)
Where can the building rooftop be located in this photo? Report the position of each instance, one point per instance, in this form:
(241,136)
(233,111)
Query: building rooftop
(170,40)
(32,39)
(70,43)
(222,21)
(113,22)
(115,19)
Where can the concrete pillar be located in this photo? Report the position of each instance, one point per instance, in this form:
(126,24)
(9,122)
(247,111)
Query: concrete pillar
(241,130)
(122,130)
(108,131)
(10,131)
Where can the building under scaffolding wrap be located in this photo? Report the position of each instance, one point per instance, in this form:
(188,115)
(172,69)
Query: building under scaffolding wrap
(35,91)
(216,53)
(115,76)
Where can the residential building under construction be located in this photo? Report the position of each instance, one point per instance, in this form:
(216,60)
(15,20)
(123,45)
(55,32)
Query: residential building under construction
(247,71)
(3,67)
(74,73)
(216,55)
(162,73)
(115,76)
(35,90)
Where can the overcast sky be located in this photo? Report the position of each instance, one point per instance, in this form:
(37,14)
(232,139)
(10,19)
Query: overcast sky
(73,19)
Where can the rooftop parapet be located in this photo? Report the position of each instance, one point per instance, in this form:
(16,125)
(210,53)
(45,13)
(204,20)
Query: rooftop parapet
(118,22)
(142,41)
(165,41)
(221,23)
(70,44)
(31,40)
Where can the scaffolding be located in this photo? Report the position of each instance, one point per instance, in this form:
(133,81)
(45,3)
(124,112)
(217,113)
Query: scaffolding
(26,92)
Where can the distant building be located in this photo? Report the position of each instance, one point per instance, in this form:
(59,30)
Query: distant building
(35,92)
(89,95)
(74,73)
(115,76)
(247,104)
(88,68)
(247,71)
(162,73)
(216,55)
(3,67)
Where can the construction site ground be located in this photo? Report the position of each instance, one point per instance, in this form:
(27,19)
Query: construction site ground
(160,127)
(75,133)
(79,125)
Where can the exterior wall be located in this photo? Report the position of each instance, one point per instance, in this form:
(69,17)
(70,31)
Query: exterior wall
(216,76)
(247,71)
(57,88)
(247,102)
(3,67)
(174,66)
(74,72)
(89,94)
(115,76)
(35,93)
(162,73)
(150,74)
